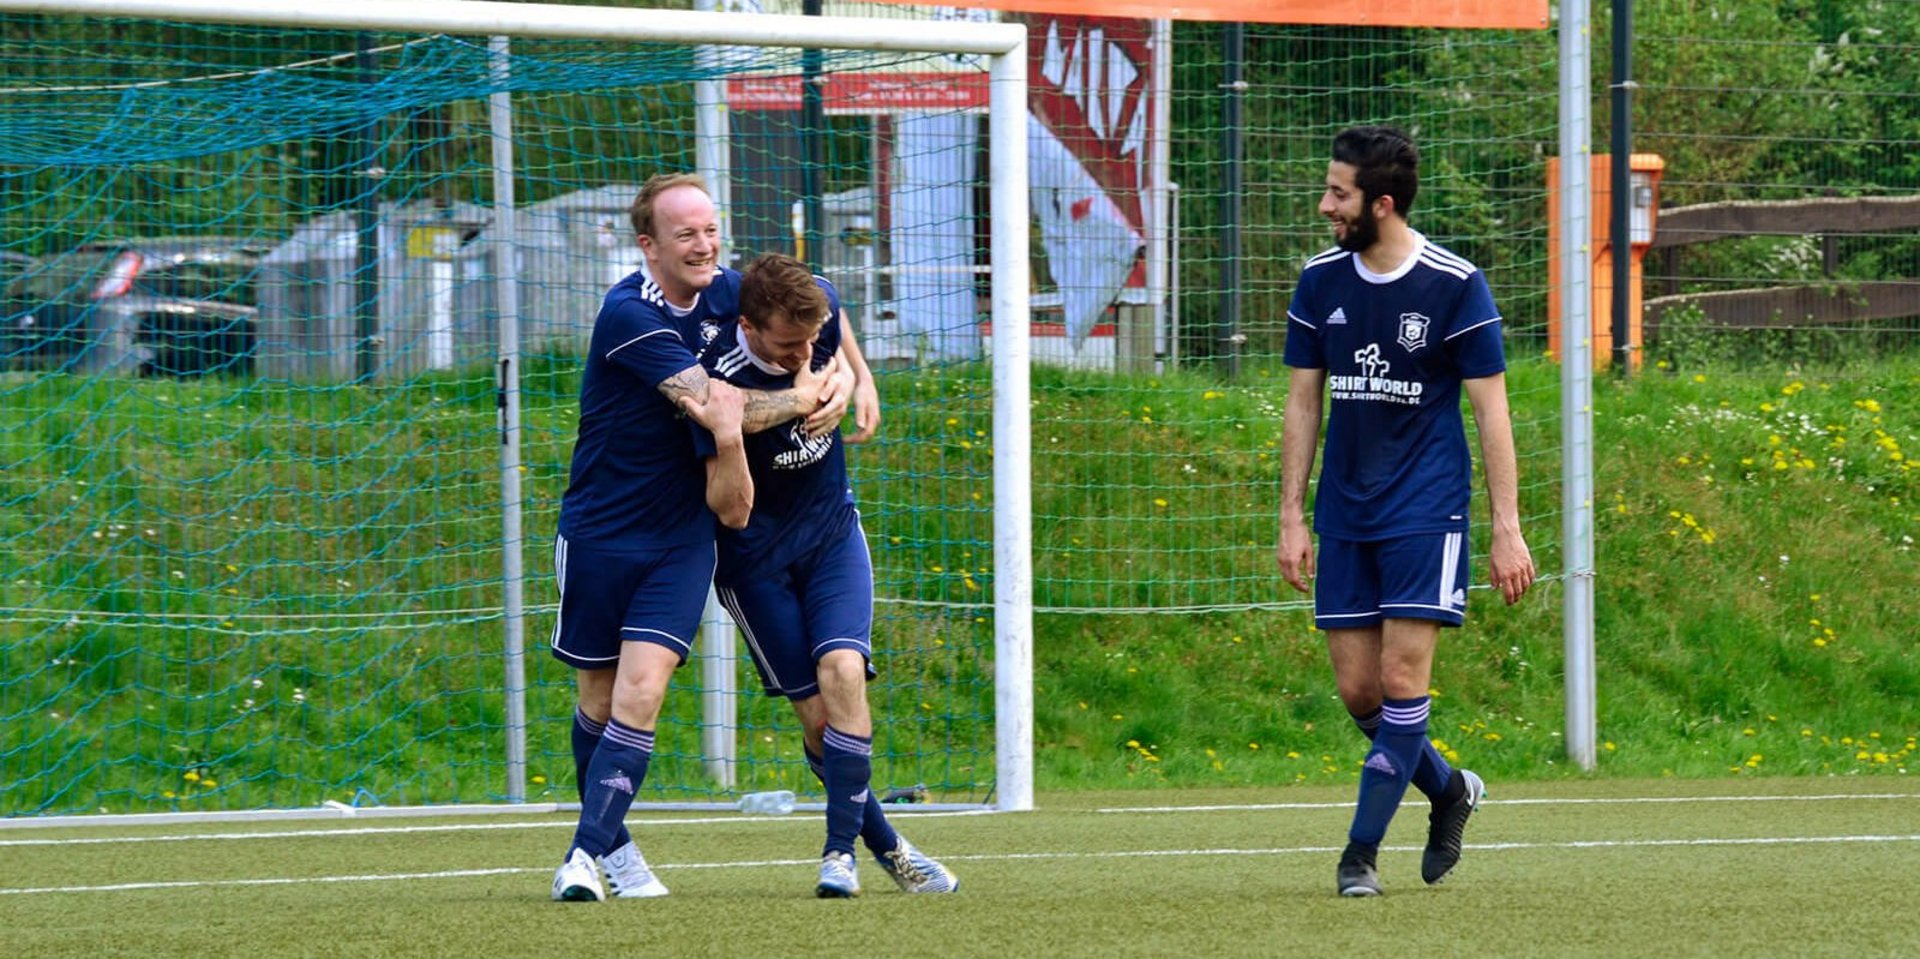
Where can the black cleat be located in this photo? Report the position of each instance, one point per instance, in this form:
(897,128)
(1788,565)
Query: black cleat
(1445,827)
(1357,876)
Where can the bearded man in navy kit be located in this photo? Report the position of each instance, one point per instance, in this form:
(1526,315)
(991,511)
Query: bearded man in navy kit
(1391,328)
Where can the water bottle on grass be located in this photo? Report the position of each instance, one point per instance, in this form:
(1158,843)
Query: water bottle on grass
(777,802)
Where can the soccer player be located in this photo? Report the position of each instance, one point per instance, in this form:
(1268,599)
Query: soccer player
(635,550)
(1392,327)
(798,579)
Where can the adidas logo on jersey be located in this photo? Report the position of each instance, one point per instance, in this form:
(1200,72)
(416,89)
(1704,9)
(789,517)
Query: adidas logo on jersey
(1339,316)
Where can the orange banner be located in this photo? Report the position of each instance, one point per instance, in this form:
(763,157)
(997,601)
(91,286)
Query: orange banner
(1482,14)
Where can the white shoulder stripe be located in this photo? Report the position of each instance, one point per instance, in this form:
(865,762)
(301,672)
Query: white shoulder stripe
(639,338)
(1443,253)
(1327,256)
(1428,260)
(1300,321)
(1473,327)
(731,361)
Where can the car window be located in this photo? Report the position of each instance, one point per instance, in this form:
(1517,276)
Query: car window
(68,276)
(226,282)
(13,268)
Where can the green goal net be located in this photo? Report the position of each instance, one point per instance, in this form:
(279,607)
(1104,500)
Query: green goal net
(251,537)
(252,550)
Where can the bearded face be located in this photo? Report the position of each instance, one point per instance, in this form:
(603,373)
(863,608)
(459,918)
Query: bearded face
(1355,234)
(1355,227)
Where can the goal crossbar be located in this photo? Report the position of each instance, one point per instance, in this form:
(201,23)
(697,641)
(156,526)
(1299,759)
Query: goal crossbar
(557,21)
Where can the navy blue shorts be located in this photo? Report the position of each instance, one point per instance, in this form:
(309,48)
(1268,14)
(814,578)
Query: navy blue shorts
(1414,577)
(609,597)
(791,617)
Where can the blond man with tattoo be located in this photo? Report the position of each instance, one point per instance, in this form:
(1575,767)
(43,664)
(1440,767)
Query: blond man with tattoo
(658,457)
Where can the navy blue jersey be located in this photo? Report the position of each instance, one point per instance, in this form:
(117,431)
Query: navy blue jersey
(637,480)
(1396,348)
(800,493)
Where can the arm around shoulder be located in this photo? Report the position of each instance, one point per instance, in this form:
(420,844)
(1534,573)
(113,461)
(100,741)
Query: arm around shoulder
(866,393)
(729,483)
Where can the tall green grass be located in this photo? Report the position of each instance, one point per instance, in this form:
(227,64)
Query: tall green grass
(1756,586)
(1757,592)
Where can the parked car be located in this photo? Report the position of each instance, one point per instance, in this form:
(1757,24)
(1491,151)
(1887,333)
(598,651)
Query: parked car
(13,266)
(166,306)
(19,340)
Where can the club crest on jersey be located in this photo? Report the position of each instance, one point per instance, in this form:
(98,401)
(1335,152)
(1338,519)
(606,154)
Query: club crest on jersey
(708,330)
(1413,331)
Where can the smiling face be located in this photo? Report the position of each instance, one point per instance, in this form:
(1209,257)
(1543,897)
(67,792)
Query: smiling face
(1356,227)
(685,243)
(780,341)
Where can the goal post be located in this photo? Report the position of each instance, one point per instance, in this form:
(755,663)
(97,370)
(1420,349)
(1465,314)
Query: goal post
(1007,786)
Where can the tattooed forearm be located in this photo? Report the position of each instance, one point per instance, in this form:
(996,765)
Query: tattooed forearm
(767,409)
(690,382)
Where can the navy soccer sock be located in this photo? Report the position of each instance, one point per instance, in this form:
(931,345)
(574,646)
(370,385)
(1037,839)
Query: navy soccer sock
(586,738)
(848,760)
(1389,768)
(614,774)
(875,830)
(1433,777)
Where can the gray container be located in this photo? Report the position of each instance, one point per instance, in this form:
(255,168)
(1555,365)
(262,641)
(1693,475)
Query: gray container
(434,299)
(571,249)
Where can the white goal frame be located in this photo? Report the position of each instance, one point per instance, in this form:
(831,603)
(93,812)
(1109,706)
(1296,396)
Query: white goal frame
(1005,47)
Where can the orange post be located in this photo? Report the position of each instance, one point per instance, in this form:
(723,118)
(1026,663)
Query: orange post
(1646,171)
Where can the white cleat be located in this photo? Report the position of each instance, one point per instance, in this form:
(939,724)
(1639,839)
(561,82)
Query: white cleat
(838,880)
(577,879)
(628,876)
(915,871)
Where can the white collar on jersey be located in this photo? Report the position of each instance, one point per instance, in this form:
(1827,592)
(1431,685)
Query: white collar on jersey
(746,349)
(681,312)
(1406,265)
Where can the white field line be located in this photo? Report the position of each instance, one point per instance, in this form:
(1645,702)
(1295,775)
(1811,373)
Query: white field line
(446,827)
(1002,857)
(734,818)
(1834,797)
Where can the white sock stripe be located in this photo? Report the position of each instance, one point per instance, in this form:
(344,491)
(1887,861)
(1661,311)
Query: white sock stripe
(587,723)
(628,736)
(847,742)
(1407,715)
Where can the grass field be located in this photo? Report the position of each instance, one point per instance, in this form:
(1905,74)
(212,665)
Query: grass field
(1776,867)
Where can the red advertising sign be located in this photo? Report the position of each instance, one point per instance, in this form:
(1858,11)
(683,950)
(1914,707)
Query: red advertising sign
(864,92)
(1483,14)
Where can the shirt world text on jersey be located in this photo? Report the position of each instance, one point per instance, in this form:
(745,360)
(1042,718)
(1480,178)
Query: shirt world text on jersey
(807,450)
(1371,384)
